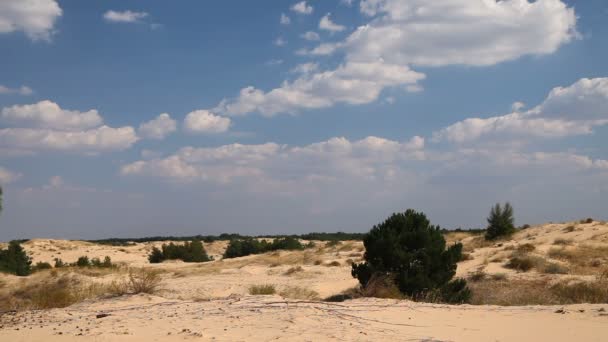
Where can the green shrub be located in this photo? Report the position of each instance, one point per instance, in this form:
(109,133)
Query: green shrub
(188,252)
(83,261)
(59,263)
(413,253)
(14,260)
(500,222)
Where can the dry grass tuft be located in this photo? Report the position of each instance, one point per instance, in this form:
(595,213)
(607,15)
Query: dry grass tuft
(562,242)
(569,229)
(382,287)
(333,264)
(526,248)
(265,289)
(144,280)
(293,270)
(583,259)
(297,292)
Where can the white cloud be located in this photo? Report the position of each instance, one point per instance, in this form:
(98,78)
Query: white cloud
(305,68)
(36,18)
(352,83)
(347,2)
(47,114)
(310,35)
(572,110)
(204,121)
(326,24)
(302,7)
(468,32)
(23,90)
(124,16)
(7,176)
(99,139)
(47,126)
(280,41)
(268,163)
(158,128)
(285,19)
(517,106)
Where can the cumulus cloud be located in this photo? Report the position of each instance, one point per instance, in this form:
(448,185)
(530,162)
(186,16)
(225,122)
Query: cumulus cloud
(47,114)
(402,34)
(271,162)
(285,20)
(23,90)
(158,128)
(7,176)
(467,32)
(566,111)
(204,121)
(124,16)
(310,35)
(99,139)
(36,18)
(352,83)
(47,126)
(328,25)
(302,8)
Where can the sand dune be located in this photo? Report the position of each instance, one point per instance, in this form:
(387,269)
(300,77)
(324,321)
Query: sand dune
(211,301)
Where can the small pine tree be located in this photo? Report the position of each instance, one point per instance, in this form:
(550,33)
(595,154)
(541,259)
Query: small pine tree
(409,250)
(15,260)
(500,222)
(156,256)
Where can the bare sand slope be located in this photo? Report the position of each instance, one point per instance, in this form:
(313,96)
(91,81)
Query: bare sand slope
(266,318)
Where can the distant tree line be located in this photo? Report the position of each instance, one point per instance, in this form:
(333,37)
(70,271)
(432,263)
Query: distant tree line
(243,247)
(339,236)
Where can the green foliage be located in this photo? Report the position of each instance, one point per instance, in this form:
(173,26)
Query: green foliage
(156,256)
(412,252)
(243,247)
(187,252)
(59,263)
(500,222)
(15,260)
(83,261)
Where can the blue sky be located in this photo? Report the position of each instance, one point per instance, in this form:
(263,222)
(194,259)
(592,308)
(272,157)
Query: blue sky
(133,118)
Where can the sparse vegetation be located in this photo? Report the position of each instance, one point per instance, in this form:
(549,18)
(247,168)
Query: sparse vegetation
(144,280)
(562,241)
(500,222)
(187,252)
(266,289)
(298,292)
(293,270)
(412,253)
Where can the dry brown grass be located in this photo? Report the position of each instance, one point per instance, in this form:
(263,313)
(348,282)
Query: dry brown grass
(562,242)
(583,259)
(144,280)
(293,270)
(538,292)
(382,287)
(265,289)
(45,292)
(333,264)
(298,292)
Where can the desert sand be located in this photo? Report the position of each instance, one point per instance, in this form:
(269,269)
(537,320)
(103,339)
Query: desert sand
(211,301)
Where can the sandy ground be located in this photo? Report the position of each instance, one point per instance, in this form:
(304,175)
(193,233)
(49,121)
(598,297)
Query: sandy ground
(210,301)
(265,318)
